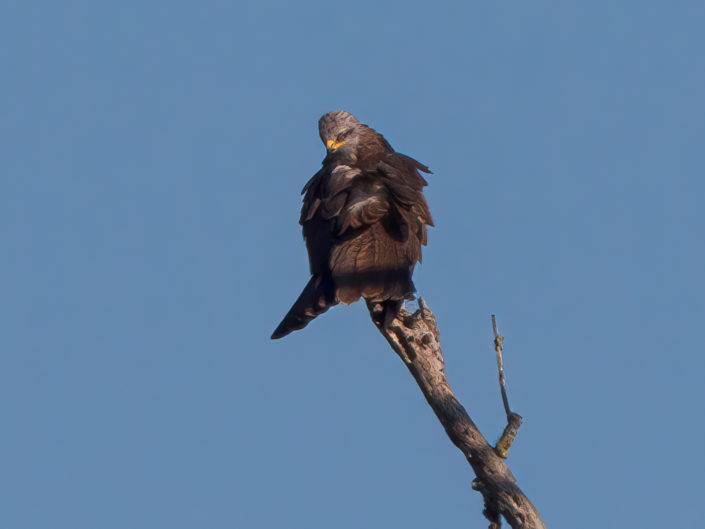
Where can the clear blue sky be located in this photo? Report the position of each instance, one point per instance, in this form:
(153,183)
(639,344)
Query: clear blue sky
(151,158)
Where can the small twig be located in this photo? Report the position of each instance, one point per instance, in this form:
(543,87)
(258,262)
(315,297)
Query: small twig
(513,419)
(500,367)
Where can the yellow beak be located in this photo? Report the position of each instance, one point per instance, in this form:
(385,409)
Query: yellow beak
(333,145)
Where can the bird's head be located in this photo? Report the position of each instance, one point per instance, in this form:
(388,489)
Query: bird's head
(339,132)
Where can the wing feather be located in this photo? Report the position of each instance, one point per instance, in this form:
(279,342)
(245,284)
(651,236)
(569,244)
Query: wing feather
(358,220)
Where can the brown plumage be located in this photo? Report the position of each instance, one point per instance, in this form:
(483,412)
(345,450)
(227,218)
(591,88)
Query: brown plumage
(364,220)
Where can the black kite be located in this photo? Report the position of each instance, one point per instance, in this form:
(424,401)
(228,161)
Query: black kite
(364,220)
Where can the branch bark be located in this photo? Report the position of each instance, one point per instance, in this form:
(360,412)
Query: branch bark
(415,339)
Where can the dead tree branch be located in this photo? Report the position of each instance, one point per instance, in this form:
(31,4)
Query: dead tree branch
(513,419)
(415,338)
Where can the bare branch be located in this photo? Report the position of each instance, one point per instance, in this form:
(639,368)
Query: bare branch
(513,419)
(500,366)
(415,339)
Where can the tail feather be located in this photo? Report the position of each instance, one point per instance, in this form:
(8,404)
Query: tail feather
(311,303)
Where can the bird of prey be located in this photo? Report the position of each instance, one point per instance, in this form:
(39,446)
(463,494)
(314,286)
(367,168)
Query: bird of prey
(364,220)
